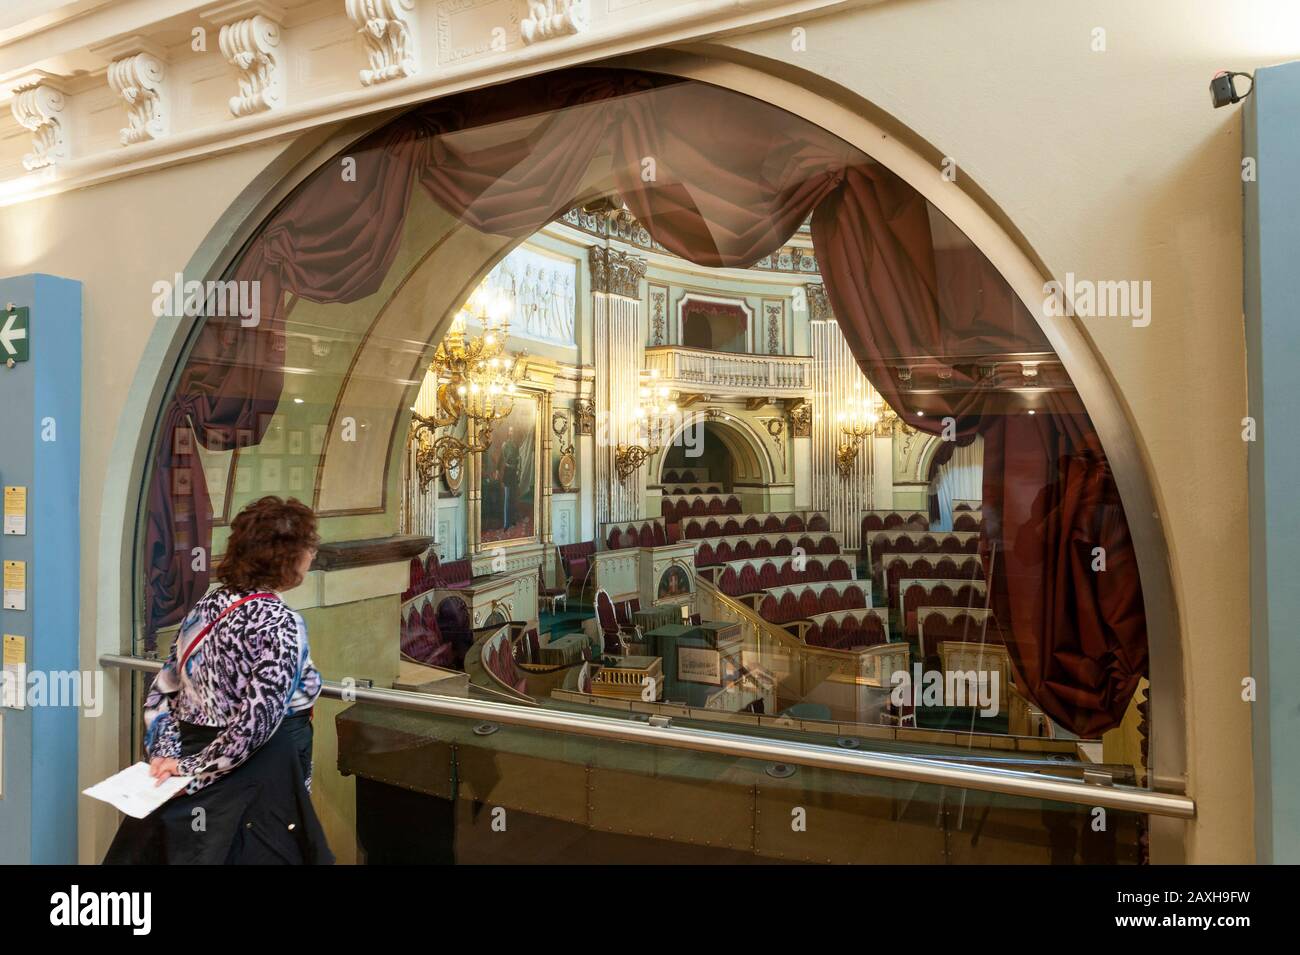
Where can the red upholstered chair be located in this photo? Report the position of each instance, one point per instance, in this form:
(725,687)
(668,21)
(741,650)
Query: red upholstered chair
(615,539)
(730,527)
(872,632)
(788,608)
(744,550)
(784,547)
(415,580)
(818,522)
(771,524)
(615,636)
(751,526)
(965,522)
(828,545)
(813,635)
(808,544)
(951,545)
(729,582)
(646,536)
(963,506)
(724,551)
(712,528)
(670,477)
(762,547)
(714,506)
(748,579)
(768,576)
(838,569)
(830,633)
(831,600)
(945,568)
(550,597)
(787,574)
(809,603)
(894,519)
(704,555)
(658,535)
(767,608)
(793,523)
(871,522)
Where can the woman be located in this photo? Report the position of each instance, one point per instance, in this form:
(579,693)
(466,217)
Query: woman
(232,707)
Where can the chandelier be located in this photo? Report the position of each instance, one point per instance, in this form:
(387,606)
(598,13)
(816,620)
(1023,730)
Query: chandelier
(654,413)
(863,417)
(476,380)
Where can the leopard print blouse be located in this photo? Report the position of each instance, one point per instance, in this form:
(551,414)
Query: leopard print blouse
(253,669)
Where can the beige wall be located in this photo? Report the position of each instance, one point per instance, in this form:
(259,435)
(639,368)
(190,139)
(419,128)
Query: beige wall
(1111,165)
(117,239)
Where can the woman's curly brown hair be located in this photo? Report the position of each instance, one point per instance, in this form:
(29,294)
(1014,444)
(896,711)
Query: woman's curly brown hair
(266,542)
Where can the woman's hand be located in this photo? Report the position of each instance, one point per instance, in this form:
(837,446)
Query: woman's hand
(160,768)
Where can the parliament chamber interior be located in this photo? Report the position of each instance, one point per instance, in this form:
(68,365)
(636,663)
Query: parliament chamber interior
(755,444)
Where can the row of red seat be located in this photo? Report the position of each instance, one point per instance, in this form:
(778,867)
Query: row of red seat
(815,598)
(675,509)
(708,553)
(908,541)
(956,567)
(650,533)
(432,574)
(846,632)
(754,576)
(694,528)
(916,594)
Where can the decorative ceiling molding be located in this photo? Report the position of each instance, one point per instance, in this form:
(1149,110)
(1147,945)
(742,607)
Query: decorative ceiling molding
(250,40)
(38,107)
(136,72)
(548,19)
(387,28)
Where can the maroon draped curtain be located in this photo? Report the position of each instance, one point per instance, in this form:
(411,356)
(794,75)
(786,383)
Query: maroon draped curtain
(333,240)
(1076,636)
(721,180)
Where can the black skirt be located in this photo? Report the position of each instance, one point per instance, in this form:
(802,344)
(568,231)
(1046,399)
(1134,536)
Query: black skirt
(260,813)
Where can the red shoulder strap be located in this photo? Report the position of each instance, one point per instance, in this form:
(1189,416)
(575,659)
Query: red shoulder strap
(189,651)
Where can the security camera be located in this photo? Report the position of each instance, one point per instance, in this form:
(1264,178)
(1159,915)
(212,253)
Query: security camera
(1222,90)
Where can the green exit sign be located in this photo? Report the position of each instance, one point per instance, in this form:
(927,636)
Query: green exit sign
(15,334)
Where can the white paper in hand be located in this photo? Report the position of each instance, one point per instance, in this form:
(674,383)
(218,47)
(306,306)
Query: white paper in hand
(135,792)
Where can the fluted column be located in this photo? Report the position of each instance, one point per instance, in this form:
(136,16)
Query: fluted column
(620,352)
(837,382)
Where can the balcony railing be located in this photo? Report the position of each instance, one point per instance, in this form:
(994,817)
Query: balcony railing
(697,369)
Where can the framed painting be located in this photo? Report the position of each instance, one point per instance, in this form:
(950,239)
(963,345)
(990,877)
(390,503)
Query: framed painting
(509,476)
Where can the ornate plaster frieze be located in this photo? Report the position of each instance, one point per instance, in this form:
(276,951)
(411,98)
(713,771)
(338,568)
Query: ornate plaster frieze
(38,107)
(553,18)
(387,29)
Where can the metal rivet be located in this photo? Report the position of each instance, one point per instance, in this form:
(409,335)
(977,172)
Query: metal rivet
(485,729)
(848,742)
(780,770)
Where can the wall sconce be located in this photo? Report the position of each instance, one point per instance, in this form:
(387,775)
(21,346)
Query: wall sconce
(865,417)
(653,413)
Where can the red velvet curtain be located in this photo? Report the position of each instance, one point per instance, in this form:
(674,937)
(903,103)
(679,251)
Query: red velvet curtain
(1077,636)
(721,180)
(333,240)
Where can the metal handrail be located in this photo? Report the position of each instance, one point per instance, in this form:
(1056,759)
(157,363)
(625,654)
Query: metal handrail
(910,768)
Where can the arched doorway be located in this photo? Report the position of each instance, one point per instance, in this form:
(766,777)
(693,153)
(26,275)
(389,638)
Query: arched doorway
(729,453)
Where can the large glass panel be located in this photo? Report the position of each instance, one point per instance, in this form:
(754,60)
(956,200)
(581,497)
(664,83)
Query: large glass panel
(620,394)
